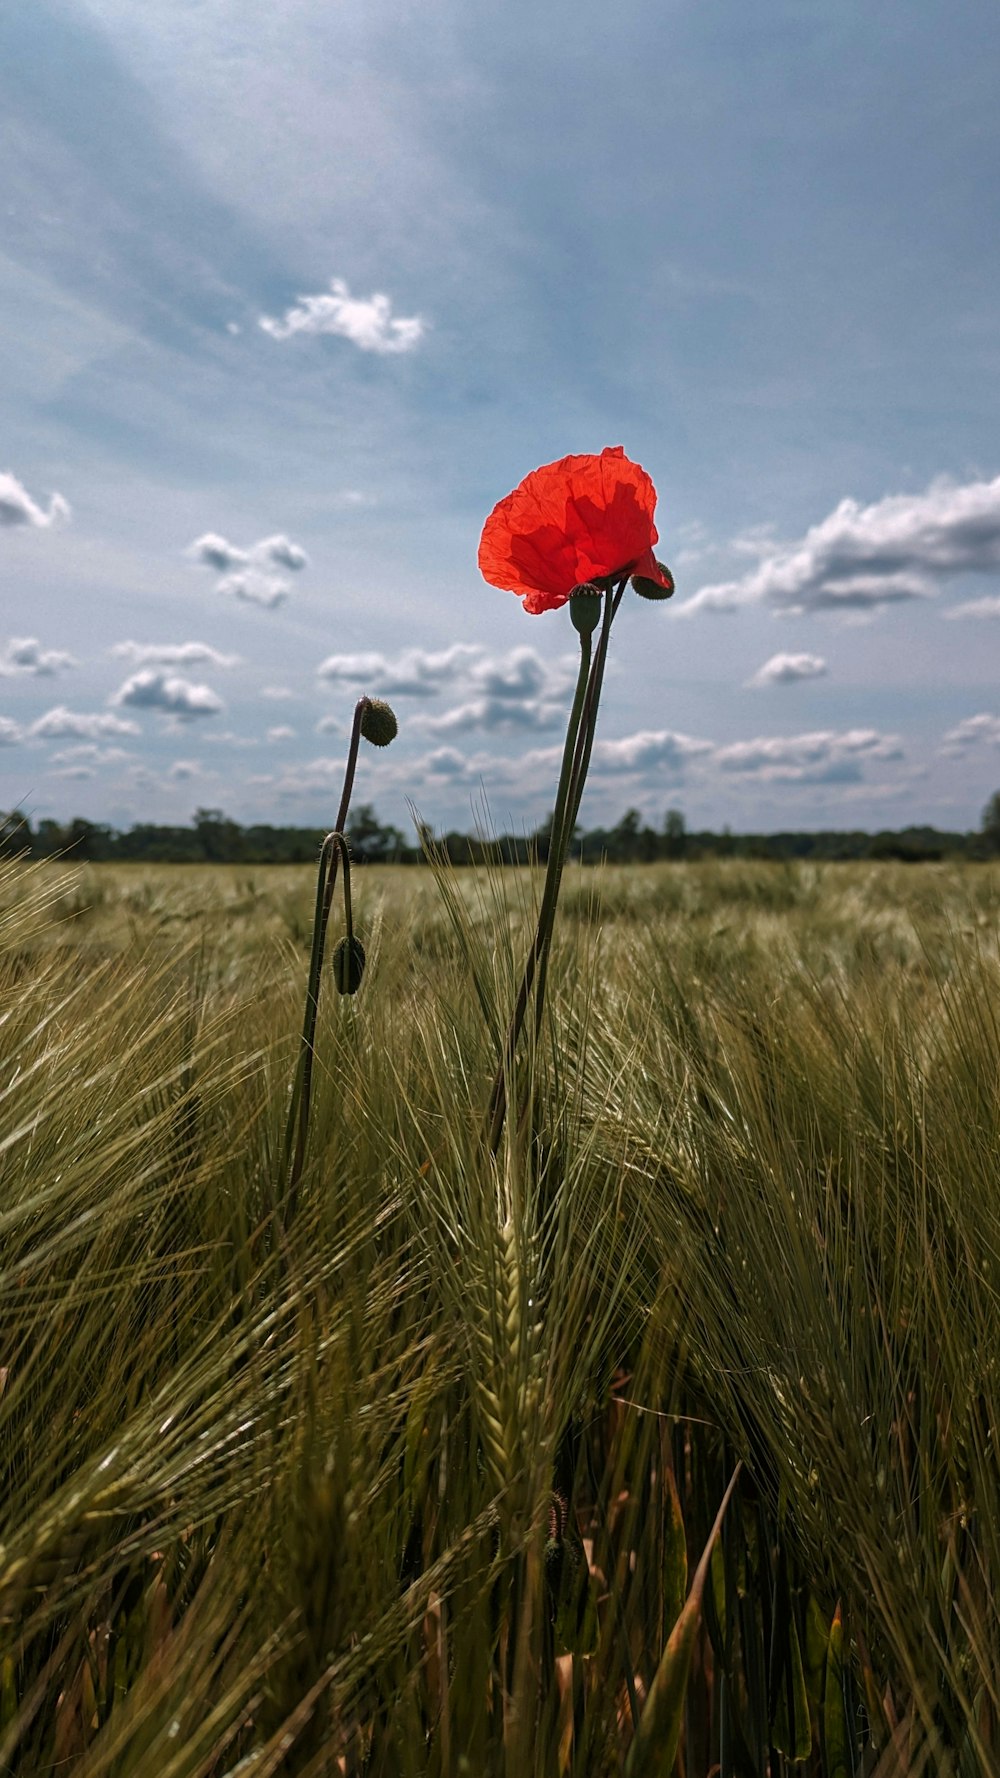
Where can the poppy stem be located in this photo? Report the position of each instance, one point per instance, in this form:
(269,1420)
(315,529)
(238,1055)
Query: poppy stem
(575,761)
(297,1126)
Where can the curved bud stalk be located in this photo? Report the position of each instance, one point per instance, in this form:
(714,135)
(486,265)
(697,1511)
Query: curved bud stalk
(376,721)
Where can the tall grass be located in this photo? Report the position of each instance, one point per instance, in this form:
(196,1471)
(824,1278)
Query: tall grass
(408,1480)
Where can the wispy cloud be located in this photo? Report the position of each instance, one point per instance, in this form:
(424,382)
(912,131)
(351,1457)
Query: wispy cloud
(18,508)
(173,654)
(25,654)
(981,608)
(153,688)
(88,725)
(368,322)
(90,753)
(860,557)
(788,669)
(971,732)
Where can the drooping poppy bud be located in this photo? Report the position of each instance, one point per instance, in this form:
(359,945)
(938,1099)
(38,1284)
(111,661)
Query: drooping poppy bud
(654,589)
(348,965)
(378,722)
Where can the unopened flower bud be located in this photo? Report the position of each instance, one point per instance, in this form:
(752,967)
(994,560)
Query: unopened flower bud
(378,722)
(651,589)
(585,608)
(348,965)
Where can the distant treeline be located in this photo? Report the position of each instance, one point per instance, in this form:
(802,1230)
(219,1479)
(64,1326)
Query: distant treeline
(212,838)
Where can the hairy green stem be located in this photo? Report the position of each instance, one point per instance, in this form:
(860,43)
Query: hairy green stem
(575,761)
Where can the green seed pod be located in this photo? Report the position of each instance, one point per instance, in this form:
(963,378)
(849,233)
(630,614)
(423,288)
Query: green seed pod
(585,609)
(348,965)
(378,722)
(651,589)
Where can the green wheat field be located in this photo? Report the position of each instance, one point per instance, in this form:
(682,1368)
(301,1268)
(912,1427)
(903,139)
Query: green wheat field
(409,1474)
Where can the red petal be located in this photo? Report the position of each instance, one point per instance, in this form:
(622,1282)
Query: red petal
(582,518)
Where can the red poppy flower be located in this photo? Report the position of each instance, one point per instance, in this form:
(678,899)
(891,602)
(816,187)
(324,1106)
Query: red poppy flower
(578,520)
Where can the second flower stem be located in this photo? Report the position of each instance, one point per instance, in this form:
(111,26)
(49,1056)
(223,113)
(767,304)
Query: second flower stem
(575,761)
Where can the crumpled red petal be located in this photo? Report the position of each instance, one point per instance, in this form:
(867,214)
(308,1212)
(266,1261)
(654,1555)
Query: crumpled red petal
(582,518)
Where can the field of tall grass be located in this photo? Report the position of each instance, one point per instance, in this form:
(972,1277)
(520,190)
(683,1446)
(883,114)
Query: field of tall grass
(409,1472)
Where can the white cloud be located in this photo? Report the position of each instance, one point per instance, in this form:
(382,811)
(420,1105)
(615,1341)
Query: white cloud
(154,689)
(281,551)
(88,725)
(248,574)
(970,732)
(173,654)
(415,673)
(513,691)
(368,322)
(788,669)
(821,757)
(495,713)
(277,694)
(89,753)
(650,749)
(329,725)
(988,607)
(860,557)
(213,551)
(25,654)
(10,732)
(183,769)
(352,498)
(18,508)
(281,733)
(254,588)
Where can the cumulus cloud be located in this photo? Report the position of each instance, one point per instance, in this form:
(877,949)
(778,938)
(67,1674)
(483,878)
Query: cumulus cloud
(281,732)
(248,574)
(173,654)
(788,669)
(368,322)
(153,688)
(649,750)
(25,654)
(821,757)
(860,557)
(495,713)
(213,551)
(971,732)
(254,588)
(415,673)
(183,769)
(10,732)
(86,724)
(18,508)
(513,691)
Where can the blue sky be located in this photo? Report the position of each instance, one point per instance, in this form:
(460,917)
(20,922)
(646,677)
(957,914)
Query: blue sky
(289,297)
